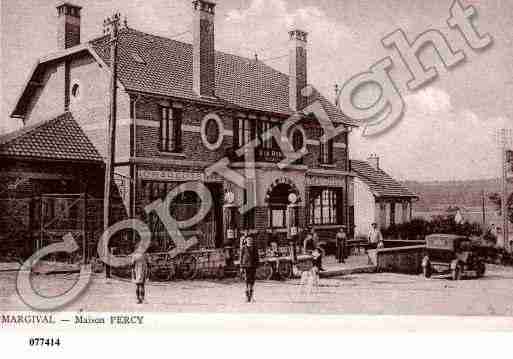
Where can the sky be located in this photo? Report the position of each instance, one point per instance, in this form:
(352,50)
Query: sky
(447,131)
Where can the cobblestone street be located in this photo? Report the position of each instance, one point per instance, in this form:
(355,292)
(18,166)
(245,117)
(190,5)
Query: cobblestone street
(382,293)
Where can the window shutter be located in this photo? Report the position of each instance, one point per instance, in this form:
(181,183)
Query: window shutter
(340,207)
(236,139)
(177,119)
(162,128)
(330,150)
(252,127)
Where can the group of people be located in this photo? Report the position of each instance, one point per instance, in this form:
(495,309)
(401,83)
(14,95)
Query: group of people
(249,258)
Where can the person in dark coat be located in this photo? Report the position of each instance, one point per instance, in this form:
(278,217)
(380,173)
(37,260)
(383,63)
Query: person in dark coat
(139,275)
(341,239)
(248,259)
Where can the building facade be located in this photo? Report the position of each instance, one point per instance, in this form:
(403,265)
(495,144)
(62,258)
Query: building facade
(378,198)
(183,113)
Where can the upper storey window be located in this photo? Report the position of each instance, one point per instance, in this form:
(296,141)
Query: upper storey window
(171,129)
(325,148)
(266,148)
(244,131)
(326,152)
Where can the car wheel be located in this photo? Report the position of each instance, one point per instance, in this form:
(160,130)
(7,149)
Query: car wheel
(427,270)
(264,272)
(285,269)
(220,273)
(456,273)
(187,268)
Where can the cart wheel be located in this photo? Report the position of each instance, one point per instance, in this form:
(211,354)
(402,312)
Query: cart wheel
(265,271)
(456,273)
(285,269)
(171,273)
(187,268)
(480,270)
(220,273)
(427,270)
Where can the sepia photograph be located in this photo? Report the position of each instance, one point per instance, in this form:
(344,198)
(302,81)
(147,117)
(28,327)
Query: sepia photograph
(255,157)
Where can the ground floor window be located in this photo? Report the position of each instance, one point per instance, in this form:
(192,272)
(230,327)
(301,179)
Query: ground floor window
(183,207)
(326,206)
(278,217)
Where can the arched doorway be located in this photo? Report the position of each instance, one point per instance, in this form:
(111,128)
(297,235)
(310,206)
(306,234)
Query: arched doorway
(277,199)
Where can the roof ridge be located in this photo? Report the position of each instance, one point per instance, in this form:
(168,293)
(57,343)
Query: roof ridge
(243,81)
(384,175)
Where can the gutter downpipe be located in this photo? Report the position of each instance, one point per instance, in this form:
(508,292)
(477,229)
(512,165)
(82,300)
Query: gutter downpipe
(134,153)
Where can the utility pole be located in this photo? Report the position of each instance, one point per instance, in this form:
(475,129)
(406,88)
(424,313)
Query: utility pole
(111,25)
(483,208)
(504,139)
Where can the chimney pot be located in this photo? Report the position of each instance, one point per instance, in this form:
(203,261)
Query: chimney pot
(373,160)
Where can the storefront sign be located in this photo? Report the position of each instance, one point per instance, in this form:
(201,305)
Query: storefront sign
(331,181)
(177,176)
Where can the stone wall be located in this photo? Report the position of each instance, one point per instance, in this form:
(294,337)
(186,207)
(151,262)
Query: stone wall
(398,259)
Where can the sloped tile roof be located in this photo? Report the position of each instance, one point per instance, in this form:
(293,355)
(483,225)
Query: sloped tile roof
(60,138)
(166,70)
(379,182)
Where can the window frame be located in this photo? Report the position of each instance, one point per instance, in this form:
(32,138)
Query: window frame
(326,206)
(282,209)
(245,131)
(170,129)
(326,152)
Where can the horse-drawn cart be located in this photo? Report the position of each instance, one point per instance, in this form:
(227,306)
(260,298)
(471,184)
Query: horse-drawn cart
(275,263)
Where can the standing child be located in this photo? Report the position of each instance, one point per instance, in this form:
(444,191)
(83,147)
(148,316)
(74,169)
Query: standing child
(309,243)
(139,274)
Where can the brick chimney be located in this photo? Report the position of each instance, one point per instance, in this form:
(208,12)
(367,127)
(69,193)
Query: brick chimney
(297,69)
(68,25)
(373,160)
(203,51)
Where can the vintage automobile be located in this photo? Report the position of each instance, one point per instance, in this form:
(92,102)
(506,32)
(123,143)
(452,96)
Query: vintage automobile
(454,254)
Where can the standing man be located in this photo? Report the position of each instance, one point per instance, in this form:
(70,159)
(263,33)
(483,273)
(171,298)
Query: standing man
(341,239)
(248,259)
(375,238)
(139,274)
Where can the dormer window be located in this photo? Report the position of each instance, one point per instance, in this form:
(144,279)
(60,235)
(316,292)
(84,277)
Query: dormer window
(171,129)
(137,58)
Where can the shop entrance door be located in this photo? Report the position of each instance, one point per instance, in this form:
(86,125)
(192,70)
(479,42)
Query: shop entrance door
(216,213)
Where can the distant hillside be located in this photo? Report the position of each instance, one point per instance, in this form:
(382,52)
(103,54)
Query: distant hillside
(442,194)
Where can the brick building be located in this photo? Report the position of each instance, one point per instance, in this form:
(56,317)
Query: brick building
(183,107)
